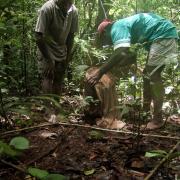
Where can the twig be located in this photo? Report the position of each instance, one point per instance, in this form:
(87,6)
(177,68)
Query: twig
(14,166)
(161,162)
(90,127)
(26,129)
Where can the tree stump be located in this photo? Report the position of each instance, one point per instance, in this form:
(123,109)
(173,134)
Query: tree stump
(104,113)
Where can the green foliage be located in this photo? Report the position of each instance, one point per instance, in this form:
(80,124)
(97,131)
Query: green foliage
(38,173)
(14,147)
(45,175)
(174,155)
(49,98)
(161,153)
(18,74)
(5,149)
(89,172)
(89,100)
(23,106)
(19,143)
(96,135)
(125,110)
(156,153)
(79,72)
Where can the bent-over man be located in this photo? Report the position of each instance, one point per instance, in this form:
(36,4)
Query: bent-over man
(159,36)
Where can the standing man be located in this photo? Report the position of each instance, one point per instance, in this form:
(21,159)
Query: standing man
(57,22)
(159,36)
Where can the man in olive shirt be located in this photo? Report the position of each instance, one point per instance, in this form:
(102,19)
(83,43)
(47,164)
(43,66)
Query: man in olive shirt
(56,24)
(159,36)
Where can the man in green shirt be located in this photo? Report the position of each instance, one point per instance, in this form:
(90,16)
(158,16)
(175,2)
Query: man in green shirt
(159,36)
(56,24)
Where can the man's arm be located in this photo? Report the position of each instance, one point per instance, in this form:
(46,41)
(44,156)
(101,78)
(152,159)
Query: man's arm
(120,56)
(42,46)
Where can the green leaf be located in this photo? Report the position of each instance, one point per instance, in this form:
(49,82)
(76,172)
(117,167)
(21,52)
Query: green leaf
(7,150)
(96,135)
(174,155)
(1,150)
(19,143)
(55,177)
(156,153)
(38,173)
(46,98)
(2,27)
(89,172)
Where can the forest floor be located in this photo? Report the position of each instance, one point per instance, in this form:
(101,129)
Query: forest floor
(80,151)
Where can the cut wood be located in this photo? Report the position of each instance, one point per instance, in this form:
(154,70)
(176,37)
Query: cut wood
(105,93)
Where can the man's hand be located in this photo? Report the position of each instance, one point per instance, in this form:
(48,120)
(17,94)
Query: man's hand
(94,77)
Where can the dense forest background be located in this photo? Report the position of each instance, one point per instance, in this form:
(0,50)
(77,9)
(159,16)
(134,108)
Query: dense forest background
(18,59)
(71,149)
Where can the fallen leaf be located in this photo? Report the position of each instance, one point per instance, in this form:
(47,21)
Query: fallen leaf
(89,172)
(92,156)
(48,135)
(137,164)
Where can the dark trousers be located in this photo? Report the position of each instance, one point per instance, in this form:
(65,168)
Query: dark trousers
(53,81)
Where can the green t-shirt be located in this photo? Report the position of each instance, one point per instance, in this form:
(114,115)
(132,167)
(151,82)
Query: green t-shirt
(141,28)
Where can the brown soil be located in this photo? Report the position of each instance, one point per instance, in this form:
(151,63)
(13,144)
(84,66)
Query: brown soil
(71,151)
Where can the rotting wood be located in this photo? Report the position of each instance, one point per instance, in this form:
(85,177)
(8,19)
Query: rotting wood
(162,162)
(89,127)
(104,113)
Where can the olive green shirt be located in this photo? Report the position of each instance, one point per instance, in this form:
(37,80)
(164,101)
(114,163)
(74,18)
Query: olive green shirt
(55,27)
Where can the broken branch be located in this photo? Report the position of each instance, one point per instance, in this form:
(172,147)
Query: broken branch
(91,127)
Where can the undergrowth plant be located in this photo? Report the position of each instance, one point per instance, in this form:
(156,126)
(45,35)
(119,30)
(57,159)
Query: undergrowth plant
(15,148)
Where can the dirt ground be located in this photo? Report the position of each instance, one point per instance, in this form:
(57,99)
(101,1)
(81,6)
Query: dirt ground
(73,151)
(83,153)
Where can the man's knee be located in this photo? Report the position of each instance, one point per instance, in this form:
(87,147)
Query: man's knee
(153,74)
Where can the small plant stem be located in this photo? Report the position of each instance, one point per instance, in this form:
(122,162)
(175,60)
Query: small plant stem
(161,162)
(14,166)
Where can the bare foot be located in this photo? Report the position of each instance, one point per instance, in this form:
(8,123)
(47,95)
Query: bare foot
(118,124)
(153,125)
(110,123)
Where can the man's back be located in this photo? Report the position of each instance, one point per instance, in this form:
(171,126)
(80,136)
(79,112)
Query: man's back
(141,28)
